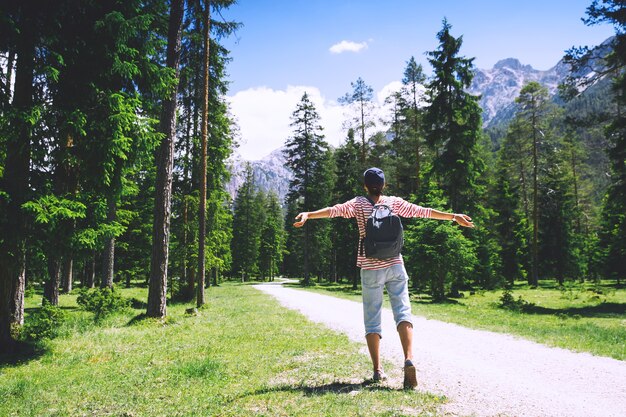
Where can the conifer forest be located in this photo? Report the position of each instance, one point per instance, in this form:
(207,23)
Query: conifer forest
(115,146)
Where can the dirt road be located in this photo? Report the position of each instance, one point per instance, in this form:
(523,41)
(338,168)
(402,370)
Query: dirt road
(482,373)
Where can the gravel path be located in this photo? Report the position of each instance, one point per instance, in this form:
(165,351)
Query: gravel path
(482,373)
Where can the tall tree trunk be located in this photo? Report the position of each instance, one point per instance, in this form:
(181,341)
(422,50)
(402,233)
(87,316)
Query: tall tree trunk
(157,291)
(363,152)
(108,256)
(191,278)
(15,184)
(534,279)
(418,157)
(59,248)
(51,287)
(90,277)
(68,275)
(203,155)
(187,279)
(306,254)
(522,170)
(575,183)
(9,78)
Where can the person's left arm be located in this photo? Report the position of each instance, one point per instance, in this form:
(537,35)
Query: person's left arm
(406,209)
(462,219)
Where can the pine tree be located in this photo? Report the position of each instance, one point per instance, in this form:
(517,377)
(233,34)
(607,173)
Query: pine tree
(348,171)
(94,117)
(607,80)
(508,226)
(412,82)
(272,238)
(14,182)
(309,159)
(219,237)
(453,122)
(246,232)
(206,30)
(428,244)
(361,102)
(96,92)
(293,259)
(206,123)
(165,164)
(401,150)
(556,206)
(614,219)
(533,100)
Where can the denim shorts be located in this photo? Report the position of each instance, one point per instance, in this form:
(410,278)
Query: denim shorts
(395,279)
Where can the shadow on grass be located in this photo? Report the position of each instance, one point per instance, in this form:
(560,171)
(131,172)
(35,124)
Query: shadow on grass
(21,353)
(139,318)
(138,304)
(428,300)
(602,310)
(64,308)
(577,285)
(332,388)
(328,287)
(143,318)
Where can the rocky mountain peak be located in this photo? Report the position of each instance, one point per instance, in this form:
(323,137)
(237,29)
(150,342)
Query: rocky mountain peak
(512,63)
(270,174)
(499,86)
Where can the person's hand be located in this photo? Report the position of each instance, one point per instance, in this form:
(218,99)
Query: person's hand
(464,220)
(303,217)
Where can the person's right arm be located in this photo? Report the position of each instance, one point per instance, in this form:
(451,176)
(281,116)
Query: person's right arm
(304,216)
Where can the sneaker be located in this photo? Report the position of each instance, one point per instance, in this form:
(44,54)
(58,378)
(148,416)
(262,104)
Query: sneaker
(379,376)
(410,378)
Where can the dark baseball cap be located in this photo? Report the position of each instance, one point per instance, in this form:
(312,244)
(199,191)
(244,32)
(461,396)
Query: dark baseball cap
(374,177)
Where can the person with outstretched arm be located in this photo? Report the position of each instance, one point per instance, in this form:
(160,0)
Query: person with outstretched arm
(377,272)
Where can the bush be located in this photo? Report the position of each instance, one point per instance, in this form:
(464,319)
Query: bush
(570,291)
(44,323)
(29,291)
(102,301)
(508,302)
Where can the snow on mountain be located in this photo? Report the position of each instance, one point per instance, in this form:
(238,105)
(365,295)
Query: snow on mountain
(499,86)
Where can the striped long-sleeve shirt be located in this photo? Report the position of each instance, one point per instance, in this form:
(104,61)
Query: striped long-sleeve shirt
(361,208)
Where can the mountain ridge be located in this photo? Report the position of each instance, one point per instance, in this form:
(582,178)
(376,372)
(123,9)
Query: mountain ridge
(498,87)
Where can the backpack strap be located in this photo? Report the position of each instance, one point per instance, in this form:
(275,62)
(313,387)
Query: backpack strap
(364,219)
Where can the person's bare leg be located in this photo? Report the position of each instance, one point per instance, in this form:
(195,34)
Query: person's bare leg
(373,344)
(405,330)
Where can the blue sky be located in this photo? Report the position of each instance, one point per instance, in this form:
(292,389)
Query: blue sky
(284,49)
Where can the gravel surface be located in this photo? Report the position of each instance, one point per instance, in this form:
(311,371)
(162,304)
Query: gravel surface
(481,373)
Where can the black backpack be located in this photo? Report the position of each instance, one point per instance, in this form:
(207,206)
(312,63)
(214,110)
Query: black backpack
(384,236)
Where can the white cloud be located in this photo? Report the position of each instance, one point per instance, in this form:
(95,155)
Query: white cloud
(264,115)
(388,90)
(347,46)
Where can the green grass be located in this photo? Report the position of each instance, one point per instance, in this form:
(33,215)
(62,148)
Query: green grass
(580,317)
(241,355)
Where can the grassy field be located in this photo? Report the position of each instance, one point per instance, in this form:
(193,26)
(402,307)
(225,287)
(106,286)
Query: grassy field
(581,317)
(242,355)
